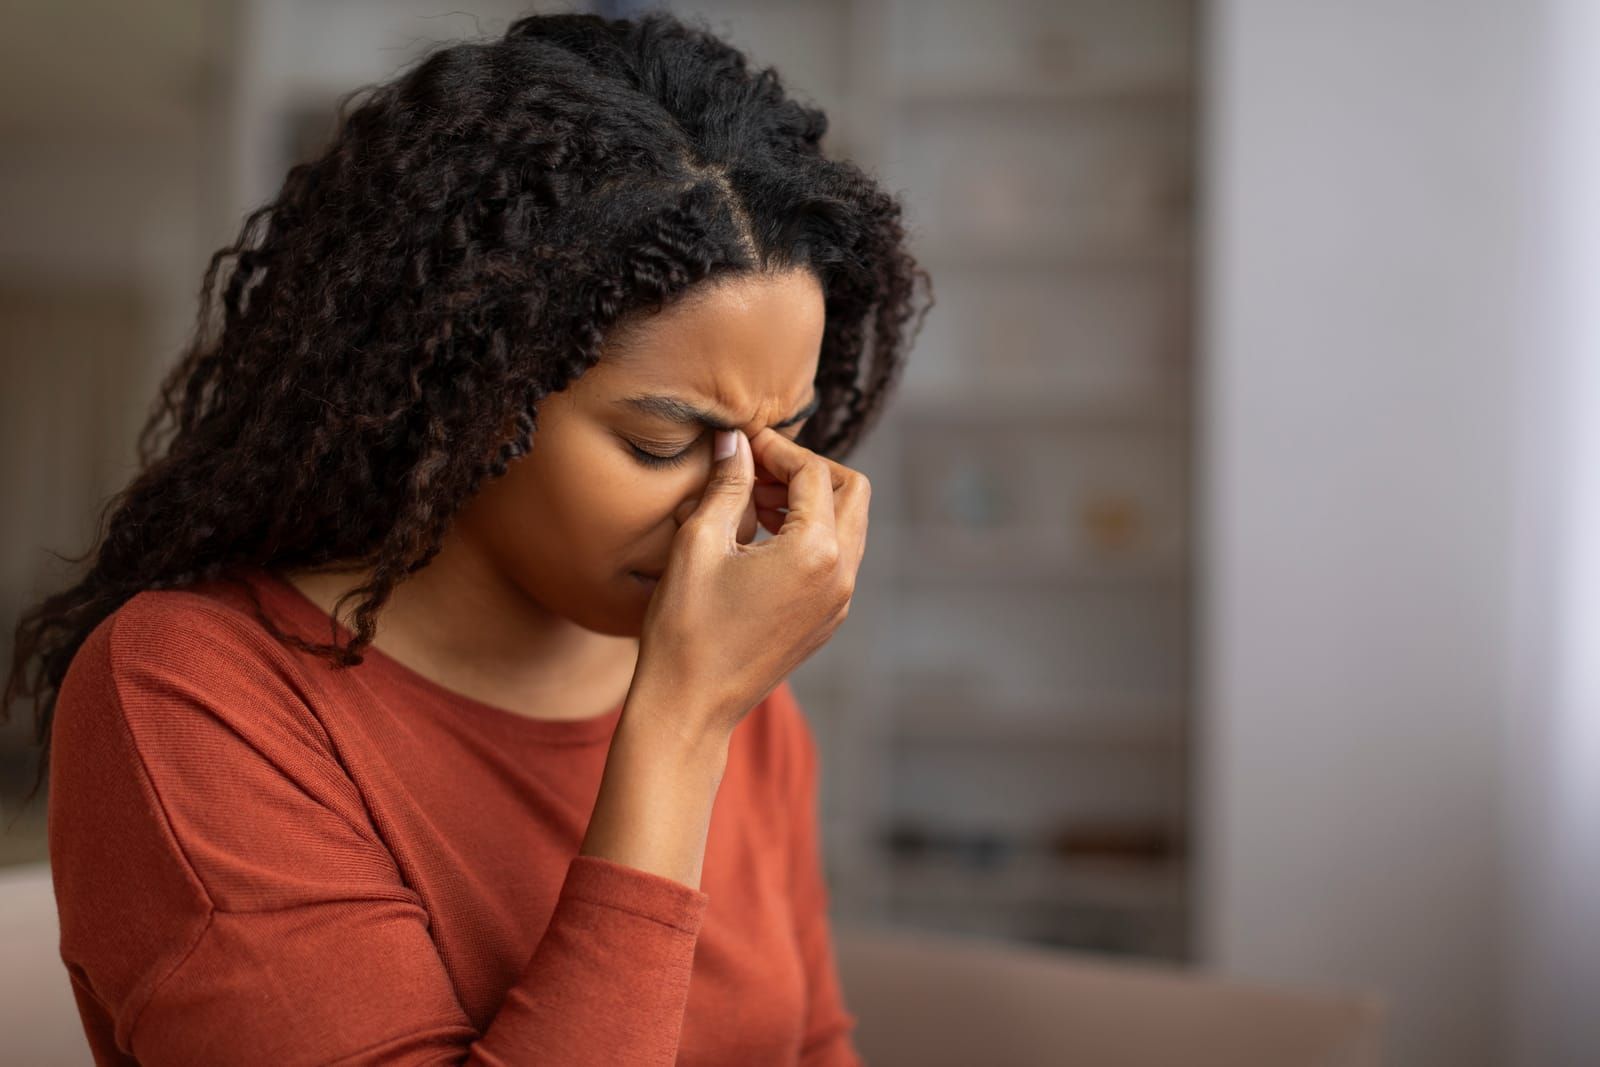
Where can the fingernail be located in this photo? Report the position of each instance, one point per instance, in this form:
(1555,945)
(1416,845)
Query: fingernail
(725,445)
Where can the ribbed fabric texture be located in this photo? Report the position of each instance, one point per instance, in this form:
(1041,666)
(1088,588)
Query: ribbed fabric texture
(261,860)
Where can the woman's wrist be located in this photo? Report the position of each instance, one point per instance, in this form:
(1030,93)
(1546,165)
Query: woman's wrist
(686,716)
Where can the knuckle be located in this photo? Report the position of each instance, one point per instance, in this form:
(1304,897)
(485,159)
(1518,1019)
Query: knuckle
(824,555)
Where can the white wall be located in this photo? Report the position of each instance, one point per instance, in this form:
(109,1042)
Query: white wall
(1364,180)
(1553,734)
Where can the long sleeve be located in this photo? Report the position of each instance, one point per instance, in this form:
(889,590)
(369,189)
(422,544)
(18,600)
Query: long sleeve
(226,898)
(828,1027)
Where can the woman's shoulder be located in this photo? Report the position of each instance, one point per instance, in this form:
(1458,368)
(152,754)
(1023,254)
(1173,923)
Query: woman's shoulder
(196,647)
(204,627)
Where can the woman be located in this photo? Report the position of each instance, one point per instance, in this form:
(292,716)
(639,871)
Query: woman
(522,361)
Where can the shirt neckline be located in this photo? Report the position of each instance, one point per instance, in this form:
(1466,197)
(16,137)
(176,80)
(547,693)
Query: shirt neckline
(290,601)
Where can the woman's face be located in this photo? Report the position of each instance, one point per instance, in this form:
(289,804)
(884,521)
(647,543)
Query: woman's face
(590,507)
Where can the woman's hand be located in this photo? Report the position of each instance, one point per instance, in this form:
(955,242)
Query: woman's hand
(728,621)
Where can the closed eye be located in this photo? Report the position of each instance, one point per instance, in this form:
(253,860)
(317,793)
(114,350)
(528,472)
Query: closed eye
(677,459)
(652,459)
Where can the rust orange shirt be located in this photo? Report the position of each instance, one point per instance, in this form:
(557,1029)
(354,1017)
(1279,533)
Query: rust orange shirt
(259,859)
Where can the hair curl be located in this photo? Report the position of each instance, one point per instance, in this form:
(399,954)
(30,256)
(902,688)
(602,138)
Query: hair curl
(457,253)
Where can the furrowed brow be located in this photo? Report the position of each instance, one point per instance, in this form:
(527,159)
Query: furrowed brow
(676,409)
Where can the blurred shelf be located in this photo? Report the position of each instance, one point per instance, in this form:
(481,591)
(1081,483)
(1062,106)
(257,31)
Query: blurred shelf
(953,92)
(952,402)
(946,553)
(1135,935)
(1036,881)
(1156,728)
(944,255)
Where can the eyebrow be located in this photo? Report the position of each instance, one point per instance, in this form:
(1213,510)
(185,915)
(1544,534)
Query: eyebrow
(675,409)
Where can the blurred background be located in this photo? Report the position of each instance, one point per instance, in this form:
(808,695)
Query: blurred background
(1233,596)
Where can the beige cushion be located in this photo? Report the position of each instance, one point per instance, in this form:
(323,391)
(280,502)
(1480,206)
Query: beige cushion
(926,1000)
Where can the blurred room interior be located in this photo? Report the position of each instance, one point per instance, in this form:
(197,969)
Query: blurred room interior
(1233,589)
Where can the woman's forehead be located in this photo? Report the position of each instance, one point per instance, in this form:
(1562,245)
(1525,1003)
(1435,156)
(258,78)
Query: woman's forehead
(740,345)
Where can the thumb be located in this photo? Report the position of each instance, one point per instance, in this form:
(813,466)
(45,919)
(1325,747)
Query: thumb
(732,480)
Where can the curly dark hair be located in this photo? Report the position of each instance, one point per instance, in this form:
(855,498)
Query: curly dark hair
(457,253)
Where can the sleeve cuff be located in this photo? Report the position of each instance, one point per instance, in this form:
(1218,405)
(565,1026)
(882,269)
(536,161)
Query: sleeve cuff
(607,883)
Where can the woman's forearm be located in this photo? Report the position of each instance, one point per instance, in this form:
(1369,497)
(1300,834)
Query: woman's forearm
(653,810)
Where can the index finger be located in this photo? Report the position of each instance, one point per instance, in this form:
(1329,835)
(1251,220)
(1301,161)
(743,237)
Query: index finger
(812,478)
(783,458)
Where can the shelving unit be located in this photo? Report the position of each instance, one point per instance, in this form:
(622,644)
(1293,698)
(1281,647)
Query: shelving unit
(1012,686)
(1005,718)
